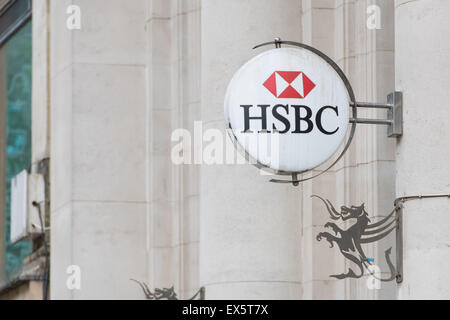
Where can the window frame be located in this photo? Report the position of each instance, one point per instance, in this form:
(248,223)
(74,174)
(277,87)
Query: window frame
(18,23)
(20,20)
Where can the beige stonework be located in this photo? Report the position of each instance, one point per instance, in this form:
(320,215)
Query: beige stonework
(366,174)
(109,96)
(423,153)
(249,228)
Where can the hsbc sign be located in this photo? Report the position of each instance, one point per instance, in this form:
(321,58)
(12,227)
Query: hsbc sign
(290,103)
(288,111)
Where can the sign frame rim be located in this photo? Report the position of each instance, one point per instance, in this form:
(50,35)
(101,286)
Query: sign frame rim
(253,161)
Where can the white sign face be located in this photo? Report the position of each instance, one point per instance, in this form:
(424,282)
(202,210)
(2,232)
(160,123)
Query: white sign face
(288,109)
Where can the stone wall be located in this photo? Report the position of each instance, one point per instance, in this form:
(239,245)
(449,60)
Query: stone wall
(120,209)
(366,173)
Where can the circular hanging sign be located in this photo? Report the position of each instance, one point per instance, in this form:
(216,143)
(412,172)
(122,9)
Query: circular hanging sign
(288,109)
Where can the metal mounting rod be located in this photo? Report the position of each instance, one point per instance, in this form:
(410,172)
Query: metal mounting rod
(394,120)
(371,121)
(420,196)
(372,105)
(398,203)
(399,244)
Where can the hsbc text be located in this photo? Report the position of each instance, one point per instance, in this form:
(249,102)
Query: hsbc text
(303,123)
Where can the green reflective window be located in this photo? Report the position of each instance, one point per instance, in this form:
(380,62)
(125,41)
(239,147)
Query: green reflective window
(15,73)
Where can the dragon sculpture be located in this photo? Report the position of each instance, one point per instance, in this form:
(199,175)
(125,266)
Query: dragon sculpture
(361,232)
(165,293)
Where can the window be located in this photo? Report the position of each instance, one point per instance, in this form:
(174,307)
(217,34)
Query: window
(15,123)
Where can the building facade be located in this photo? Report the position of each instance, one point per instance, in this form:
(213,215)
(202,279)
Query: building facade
(112,80)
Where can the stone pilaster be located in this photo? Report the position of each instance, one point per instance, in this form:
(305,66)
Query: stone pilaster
(423,74)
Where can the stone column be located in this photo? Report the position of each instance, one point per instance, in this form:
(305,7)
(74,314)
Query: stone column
(98,149)
(249,228)
(423,74)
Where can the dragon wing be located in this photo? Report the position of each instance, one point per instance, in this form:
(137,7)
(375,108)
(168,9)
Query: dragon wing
(379,223)
(377,237)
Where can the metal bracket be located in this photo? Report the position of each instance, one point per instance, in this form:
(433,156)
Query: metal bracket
(398,203)
(394,107)
(399,244)
(395,113)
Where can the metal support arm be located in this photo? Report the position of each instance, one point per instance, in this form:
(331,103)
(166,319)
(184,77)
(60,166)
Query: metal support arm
(394,107)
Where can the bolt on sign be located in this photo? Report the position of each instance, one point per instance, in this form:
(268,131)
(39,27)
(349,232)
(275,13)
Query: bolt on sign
(288,110)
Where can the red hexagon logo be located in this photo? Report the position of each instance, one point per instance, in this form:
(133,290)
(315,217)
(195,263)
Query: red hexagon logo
(289,84)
